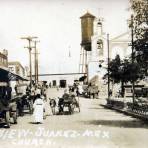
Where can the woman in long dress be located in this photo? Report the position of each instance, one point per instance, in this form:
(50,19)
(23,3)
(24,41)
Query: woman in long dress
(48,108)
(38,109)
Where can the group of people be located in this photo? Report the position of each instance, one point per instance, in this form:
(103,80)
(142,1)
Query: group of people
(41,104)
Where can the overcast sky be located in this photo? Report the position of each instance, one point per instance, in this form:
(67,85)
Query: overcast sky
(57,24)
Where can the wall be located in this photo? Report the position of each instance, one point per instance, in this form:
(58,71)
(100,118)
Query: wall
(69,78)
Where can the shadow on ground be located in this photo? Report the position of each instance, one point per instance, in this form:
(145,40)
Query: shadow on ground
(3,125)
(118,123)
(96,108)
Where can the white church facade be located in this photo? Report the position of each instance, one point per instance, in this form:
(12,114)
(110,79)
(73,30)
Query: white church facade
(119,45)
(97,63)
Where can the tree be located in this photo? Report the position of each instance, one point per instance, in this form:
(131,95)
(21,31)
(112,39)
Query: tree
(130,71)
(114,69)
(123,71)
(140,27)
(116,72)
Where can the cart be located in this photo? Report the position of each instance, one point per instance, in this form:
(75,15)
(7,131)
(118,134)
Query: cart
(8,104)
(71,103)
(8,108)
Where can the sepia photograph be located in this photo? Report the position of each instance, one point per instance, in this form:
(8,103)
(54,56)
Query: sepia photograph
(73,73)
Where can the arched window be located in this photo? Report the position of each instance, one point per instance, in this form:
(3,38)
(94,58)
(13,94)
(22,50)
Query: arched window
(100,47)
(100,44)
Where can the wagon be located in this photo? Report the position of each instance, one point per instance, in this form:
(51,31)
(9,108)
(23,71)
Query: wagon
(71,103)
(8,108)
(8,104)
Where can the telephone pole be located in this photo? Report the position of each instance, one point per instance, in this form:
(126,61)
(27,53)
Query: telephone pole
(132,44)
(36,73)
(29,39)
(108,66)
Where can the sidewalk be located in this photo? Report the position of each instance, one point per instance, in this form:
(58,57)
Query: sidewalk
(126,112)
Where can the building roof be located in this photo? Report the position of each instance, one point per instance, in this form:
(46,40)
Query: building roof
(124,37)
(15,63)
(86,15)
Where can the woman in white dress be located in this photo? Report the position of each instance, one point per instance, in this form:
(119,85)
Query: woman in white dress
(48,110)
(38,107)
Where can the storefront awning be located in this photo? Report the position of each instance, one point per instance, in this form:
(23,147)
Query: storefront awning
(6,75)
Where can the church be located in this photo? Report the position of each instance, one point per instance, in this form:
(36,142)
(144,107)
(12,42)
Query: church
(102,49)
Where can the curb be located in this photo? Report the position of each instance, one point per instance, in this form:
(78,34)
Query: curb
(127,113)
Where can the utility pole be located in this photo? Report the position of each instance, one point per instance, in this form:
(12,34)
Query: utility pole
(29,39)
(108,66)
(36,62)
(132,44)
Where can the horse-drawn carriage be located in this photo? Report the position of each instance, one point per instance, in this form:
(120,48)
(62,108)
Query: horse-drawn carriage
(70,102)
(8,102)
(8,111)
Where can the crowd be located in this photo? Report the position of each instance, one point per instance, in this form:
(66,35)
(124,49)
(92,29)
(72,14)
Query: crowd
(35,100)
(39,103)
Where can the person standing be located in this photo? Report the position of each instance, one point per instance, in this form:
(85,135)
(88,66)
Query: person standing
(77,91)
(53,105)
(16,90)
(37,91)
(60,105)
(32,94)
(110,92)
(8,92)
(38,109)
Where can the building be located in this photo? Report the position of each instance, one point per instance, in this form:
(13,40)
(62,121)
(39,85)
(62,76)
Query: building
(121,45)
(4,58)
(60,80)
(98,61)
(3,65)
(16,68)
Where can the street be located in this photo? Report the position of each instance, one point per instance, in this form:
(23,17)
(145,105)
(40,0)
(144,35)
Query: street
(93,127)
(74,74)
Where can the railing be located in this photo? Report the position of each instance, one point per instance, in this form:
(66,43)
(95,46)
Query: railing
(138,107)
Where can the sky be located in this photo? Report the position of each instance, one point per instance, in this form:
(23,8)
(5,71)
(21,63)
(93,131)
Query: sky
(57,25)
